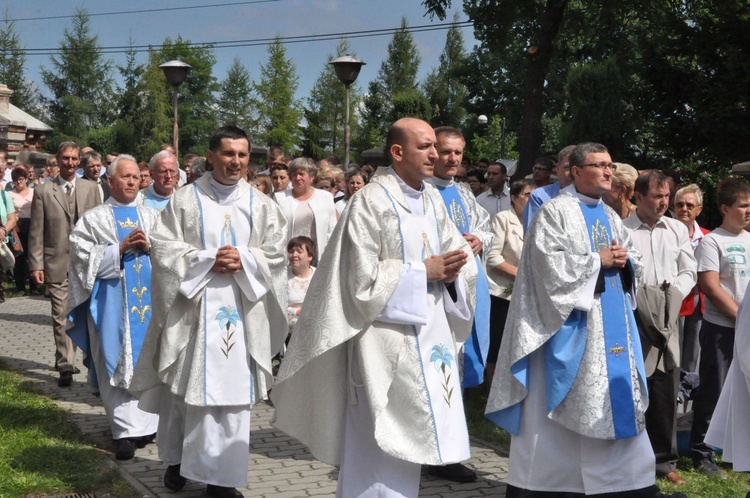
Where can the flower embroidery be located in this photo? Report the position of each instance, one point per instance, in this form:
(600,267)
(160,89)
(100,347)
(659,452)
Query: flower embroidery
(227,317)
(442,359)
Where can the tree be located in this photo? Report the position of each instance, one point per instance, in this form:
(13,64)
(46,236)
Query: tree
(80,82)
(398,72)
(12,62)
(278,108)
(443,87)
(397,75)
(196,102)
(129,100)
(325,112)
(236,102)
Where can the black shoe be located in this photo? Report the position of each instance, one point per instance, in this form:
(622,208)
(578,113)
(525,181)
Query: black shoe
(65,380)
(708,467)
(222,492)
(142,441)
(124,449)
(455,472)
(76,370)
(172,478)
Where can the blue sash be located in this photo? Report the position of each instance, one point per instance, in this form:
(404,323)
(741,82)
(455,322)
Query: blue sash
(615,314)
(137,280)
(478,345)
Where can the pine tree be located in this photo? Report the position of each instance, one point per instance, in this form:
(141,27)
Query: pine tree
(129,102)
(196,101)
(399,71)
(236,100)
(396,83)
(80,81)
(325,112)
(278,108)
(12,62)
(443,86)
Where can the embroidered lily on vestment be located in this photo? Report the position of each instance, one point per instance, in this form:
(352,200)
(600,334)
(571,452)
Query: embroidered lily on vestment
(442,359)
(227,317)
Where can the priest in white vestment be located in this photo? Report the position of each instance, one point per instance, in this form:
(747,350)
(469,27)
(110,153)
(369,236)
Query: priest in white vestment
(730,422)
(219,317)
(109,296)
(370,379)
(570,384)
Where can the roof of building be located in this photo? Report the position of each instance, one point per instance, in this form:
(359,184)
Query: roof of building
(18,117)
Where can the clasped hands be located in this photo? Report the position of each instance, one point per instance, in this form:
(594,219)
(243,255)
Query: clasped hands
(227,260)
(135,240)
(614,255)
(446,266)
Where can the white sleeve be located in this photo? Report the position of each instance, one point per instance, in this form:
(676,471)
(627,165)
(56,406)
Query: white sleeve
(460,307)
(250,280)
(408,304)
(109,266)
(586,299)
(199,273)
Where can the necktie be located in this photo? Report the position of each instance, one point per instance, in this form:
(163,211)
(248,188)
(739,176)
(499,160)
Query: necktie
(69,189)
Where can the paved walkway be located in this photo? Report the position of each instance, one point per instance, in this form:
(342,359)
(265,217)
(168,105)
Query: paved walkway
(280,466)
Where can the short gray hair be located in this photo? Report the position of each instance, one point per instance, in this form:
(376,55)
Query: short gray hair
(304,163)
(691,189)
(112,168)
(582,150)
(162,154)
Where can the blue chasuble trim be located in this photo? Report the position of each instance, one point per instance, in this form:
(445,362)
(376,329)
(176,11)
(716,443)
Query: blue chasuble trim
(477,346)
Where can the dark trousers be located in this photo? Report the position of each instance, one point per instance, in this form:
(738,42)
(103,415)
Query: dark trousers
(514,492)
(498,316)
(661,418)
(21,271)
(717,347)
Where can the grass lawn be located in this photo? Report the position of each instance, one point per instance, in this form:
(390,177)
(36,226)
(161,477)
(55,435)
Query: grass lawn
(697,485)
(41,450)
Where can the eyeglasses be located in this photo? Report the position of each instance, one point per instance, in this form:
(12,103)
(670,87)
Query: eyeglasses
(681,204)
(167,173)
(602,166)
(539,168)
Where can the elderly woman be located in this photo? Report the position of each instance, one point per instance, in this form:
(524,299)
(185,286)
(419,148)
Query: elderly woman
(354,180)
(688,203)
(309,211)
(22,195)
(623,184)
(502,263)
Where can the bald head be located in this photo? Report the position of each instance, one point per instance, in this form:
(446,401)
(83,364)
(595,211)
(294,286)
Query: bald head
(411,144)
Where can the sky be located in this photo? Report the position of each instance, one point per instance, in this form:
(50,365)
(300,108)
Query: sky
(221,22)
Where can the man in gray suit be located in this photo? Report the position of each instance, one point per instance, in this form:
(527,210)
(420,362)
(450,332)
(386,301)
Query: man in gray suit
(56,208)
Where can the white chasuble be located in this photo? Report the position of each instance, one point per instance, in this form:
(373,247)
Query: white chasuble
(437,349)
(228,370)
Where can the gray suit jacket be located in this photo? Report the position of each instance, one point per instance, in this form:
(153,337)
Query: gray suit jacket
(52,220)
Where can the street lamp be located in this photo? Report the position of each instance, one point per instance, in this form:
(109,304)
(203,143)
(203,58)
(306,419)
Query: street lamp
(347,70)
(175,71)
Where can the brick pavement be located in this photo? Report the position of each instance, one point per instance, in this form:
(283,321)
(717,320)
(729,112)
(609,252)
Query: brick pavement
(280,466)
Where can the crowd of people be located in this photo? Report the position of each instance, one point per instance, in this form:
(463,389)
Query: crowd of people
(581,297)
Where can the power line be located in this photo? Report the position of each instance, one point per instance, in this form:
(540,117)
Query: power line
(143,11)
(263,41)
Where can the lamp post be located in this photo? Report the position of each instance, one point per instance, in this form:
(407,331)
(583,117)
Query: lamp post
(347,70)
(175,71)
